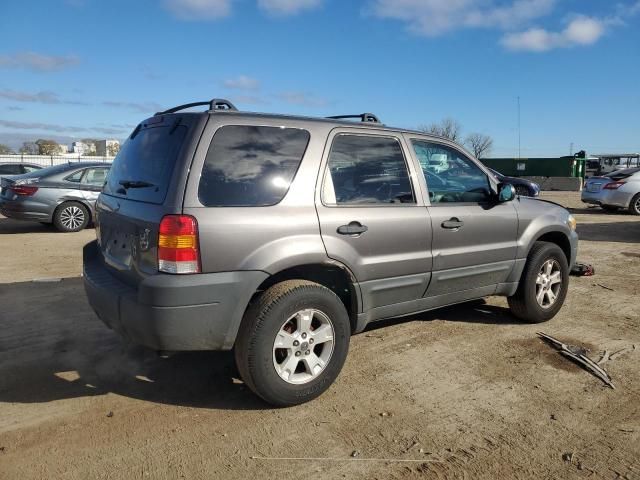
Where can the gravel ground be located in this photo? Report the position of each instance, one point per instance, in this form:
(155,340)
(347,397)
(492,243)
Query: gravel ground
(462,392)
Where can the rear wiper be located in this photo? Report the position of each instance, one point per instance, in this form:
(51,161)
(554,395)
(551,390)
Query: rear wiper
(135,184)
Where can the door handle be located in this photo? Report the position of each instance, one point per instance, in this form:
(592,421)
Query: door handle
(354,228)
(452,223)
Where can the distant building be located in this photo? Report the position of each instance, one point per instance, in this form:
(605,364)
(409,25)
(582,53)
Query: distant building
(107,148)
(80,148)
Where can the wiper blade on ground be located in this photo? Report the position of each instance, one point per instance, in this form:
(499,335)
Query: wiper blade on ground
(135,184)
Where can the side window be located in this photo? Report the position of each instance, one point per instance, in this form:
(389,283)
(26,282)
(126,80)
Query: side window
(366,170)
(29,168)
(251,166)
(451,177)
(95,176)
(75,177)
(10,169)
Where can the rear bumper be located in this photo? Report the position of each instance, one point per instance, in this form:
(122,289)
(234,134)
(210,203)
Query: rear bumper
(614,198)
(171,312)
(25,210)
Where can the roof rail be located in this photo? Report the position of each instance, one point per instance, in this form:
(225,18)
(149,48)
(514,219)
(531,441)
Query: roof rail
(215,104)
(364,117)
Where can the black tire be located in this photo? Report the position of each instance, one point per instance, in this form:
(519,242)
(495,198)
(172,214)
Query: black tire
(266,316)
(609,208)
(524,303)
(634,205)
(71,217)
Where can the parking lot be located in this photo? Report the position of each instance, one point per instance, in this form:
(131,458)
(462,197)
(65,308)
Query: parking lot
(461,392)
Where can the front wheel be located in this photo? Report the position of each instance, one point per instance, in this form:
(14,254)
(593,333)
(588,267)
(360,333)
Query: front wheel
(292,342)
(543,285)
(71,217)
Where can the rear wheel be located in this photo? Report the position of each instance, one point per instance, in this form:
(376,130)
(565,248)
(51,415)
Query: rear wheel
(293,342)
(71,217)
(543,285)
(634,205)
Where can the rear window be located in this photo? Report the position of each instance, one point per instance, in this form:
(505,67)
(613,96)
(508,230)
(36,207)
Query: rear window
(251,166)
(622,174)
(143,167)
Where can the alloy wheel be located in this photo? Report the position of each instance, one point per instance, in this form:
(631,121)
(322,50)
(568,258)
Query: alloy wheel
(72,217)
(303,346)
(548,283)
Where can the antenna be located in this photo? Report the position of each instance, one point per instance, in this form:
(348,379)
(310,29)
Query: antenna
(519,132)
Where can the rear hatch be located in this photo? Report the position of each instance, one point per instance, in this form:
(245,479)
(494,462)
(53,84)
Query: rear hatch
(146,182)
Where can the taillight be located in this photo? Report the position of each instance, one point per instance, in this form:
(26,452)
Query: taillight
(613,185)
(24,190)
(178,245)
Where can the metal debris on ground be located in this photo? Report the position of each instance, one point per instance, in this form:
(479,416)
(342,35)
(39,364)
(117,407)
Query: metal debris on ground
(578,354)
(603,286)
(582,270)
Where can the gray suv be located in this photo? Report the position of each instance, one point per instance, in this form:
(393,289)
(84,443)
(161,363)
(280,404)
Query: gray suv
(280,237)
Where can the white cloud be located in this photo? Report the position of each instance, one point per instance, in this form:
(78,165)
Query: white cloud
(45,97)
(435,17)
(242,82)
(287,7)
(38,62)
(140,107)
(581,31)
(199,9)
(302,99)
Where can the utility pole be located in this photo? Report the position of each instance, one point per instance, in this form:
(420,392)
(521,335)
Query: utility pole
(571,149)
(519,134)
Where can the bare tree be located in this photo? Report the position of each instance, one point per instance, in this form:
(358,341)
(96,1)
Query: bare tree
(29,148)
(479,144)
(113,149)
(5,149)
(448,128)
(47,147)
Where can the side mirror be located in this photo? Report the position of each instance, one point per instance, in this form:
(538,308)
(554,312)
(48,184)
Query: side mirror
(506,192)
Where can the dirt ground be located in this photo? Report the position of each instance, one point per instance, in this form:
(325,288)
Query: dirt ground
(463,392)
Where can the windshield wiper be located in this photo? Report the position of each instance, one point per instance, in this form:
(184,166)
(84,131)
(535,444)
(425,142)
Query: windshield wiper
(135,184)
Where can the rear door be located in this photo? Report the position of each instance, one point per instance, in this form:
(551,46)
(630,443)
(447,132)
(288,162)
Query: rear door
(146,181)
(371,216)
(474,237)
(92,183)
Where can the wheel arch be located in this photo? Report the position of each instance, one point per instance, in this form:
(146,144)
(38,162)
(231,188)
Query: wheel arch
(73,200)
(557,237)
(330,274)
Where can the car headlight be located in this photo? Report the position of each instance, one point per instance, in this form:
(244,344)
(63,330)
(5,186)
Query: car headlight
(571,222)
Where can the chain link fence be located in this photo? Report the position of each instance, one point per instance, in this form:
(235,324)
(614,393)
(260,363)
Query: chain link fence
(49,160)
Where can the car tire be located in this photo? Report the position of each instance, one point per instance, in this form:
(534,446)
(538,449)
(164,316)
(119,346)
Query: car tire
(532,301)
(634,205)
(71,217)
(275,351)
(609,208)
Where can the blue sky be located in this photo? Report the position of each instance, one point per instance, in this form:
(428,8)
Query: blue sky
(94,68)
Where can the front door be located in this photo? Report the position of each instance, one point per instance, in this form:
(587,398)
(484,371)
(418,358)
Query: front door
(372,219)
(474,237)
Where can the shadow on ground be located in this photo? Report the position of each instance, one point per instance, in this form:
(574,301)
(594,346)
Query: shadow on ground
(13,226)
(10,225)
(623,232)
(53,347)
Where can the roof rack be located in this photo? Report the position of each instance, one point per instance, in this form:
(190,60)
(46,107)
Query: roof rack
(215,104)
(364,117)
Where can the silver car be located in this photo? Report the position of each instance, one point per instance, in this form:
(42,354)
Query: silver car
(64,195)
(614,191)
(280,236)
